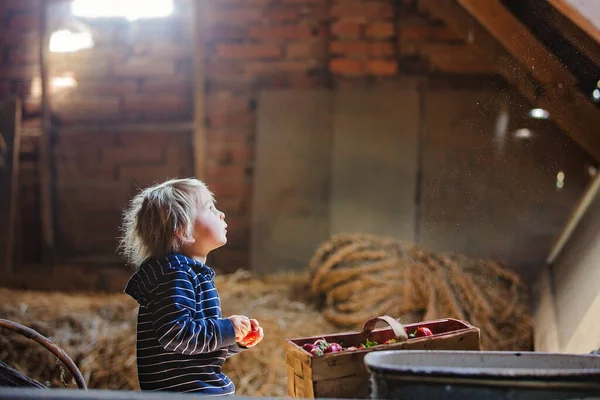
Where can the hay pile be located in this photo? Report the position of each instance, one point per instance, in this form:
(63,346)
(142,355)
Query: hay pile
(357,277)
(98,332)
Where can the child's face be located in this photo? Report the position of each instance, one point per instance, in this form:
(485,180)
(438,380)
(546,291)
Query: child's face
(210,229)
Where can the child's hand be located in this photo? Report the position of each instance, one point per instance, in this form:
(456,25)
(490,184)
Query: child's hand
(241,325)
(254,337)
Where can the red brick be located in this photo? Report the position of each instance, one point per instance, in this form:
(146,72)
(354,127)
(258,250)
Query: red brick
(219,121)
(382,67)
(230,153)
(73,172)
(23,56)
(427,32)
(107,87)
(147,175)
(143,67)
(282,14)
(221,32)
(248,51)
(25,22)
(93,68)
(225,189)
(362,48)
(178,85)
(363,11)
(159,139)
(381,49)
(347,67)
(354,48)
(142,153)
(23,72)
(346,29)
(87,108)
(236,172)
(92,195)
(223,69)
(223,102)
(158,50)
(159,104)
(280,32)
(238,3)
(32,106)
(215,15)
(380,30)
(299,50)
(261,68)
(233,136)
(19,5)
(82,140)
(303,82)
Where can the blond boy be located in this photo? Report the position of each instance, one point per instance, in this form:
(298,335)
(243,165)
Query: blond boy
(182,338)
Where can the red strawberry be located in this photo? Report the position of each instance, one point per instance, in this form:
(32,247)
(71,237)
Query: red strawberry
(422,331)
(308,347)
(252,335)
(333,348)
(316,351)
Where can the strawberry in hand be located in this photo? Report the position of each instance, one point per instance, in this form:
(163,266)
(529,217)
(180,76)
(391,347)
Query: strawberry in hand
(254,336)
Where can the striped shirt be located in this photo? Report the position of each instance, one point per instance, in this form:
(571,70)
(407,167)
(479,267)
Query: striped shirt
(182,338)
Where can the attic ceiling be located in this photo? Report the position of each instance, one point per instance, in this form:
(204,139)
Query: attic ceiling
(551,69)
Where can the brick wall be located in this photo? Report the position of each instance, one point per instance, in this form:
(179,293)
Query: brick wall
(127,122)
(125,125)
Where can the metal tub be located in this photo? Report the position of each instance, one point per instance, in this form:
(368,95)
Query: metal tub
(484,375)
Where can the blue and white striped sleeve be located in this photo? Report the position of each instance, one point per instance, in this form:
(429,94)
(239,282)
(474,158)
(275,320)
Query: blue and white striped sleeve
(173,307)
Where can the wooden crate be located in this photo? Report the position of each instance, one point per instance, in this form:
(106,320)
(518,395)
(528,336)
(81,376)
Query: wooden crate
(344,375)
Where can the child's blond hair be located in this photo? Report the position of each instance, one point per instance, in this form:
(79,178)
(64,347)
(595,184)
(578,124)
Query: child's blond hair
(160,219)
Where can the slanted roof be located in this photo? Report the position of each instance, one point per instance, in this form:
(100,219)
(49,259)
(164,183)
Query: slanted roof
(504,38)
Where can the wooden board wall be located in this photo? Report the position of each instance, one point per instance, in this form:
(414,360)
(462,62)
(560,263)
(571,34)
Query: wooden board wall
(375,162)
(291,178)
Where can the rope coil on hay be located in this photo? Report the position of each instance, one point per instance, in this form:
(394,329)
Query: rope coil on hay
(355,277)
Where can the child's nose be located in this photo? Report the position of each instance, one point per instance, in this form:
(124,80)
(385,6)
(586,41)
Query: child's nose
(222,215)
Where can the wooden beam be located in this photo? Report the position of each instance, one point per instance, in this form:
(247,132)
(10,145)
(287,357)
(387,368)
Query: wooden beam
(199,138)
(45,160)
(566,23)
(525,63)
(577,17)
(10,141)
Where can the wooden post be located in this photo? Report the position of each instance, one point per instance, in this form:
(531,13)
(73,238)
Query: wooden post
(199,137)
(45,161)
(10,140)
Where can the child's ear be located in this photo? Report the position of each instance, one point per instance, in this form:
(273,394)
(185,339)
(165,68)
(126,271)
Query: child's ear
(184,238)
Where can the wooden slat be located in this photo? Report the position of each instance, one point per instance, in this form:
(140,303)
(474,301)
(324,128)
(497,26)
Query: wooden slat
(45,160)
(290,381)
(199,138)
(538,76)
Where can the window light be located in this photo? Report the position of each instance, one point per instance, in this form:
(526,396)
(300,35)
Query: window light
(130,9)
(66,41)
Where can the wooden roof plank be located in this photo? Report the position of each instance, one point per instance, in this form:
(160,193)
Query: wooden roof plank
(539,76)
